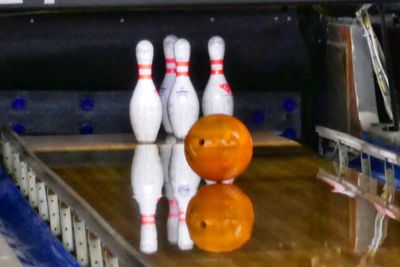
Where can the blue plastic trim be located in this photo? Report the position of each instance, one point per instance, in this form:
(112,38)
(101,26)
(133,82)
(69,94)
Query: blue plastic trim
(289,105)
(25,231)
(378,142)
(18,103)
(289,133)
(19,128)
(86,128)
(377,170)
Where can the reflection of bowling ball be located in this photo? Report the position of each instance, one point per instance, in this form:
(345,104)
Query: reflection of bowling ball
(218,147)
(220,218)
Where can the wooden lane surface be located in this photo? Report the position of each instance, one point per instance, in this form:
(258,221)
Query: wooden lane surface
(124,142)
(298,220)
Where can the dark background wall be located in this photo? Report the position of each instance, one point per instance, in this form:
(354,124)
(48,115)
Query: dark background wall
(95,50)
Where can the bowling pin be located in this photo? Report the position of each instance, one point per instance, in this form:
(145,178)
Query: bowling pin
(145,106)
(227,181)
(172,222)
(217,97)
(147,180)
(184,185)
(169,79)
(183,104)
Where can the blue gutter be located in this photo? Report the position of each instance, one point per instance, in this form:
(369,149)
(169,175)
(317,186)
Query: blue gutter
(25,231)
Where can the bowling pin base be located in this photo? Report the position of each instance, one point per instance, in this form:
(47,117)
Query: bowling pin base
(184,240)
(180,138)
(172,223)
(228,181)
(148,237)
(148,248)
(210,182)
(144,142)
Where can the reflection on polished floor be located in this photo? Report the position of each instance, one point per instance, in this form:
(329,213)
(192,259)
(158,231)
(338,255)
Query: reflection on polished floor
(299,221)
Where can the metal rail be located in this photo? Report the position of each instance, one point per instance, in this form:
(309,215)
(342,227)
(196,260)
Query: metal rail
(348,188)
(389,69)
(70,217)
(346,143)
(358,144)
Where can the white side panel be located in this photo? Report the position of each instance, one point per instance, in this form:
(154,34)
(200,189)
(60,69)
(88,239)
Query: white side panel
(364,79)
(7,256)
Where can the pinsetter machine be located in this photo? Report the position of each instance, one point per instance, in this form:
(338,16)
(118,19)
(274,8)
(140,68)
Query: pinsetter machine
(315,82)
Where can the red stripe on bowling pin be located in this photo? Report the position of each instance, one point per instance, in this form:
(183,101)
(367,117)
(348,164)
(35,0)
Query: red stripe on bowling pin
(148,219)
(144,76)
(182,216)
(169,61)
(144,66)
(182,63)
(183,73)
(217,62)
(217,72)
(216,66)
(170,69)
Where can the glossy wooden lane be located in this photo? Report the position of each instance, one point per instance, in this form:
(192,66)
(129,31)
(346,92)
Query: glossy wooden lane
(298,220)
(124,141)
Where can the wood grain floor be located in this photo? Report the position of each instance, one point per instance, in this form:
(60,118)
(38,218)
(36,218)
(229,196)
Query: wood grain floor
(125,141)
(298,220)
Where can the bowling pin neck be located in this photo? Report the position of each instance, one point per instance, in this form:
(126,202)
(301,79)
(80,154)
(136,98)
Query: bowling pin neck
(173,208)
(217,67)
(144,71)
(182,215)
(170,66)
(182,68)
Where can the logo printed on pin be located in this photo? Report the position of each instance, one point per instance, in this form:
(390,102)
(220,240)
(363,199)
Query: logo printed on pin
(182,92)
(226,88)
(162,90)
(184,190)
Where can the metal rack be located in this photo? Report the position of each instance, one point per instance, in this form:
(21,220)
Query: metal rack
(346,144)
(81,230)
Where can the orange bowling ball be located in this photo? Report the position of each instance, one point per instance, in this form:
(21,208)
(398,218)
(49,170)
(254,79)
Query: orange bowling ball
(220,218)
(218,147)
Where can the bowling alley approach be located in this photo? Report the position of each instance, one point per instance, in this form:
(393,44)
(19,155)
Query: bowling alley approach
(254,133)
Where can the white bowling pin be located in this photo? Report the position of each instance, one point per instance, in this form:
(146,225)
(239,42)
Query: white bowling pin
(169,79)
(227,181)
(217,97)
(183,104)
(147,180)
(145,106)
(172,222)
(184,185)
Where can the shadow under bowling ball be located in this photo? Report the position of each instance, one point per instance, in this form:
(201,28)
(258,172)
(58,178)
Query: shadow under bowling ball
(220,218)
(218,147)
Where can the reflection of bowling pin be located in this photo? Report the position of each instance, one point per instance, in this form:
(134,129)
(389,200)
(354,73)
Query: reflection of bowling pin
(184,185)
(145,106)
(183,104)
(227,181)
(172,222)
(169,79)
(147,179)
(217,98)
